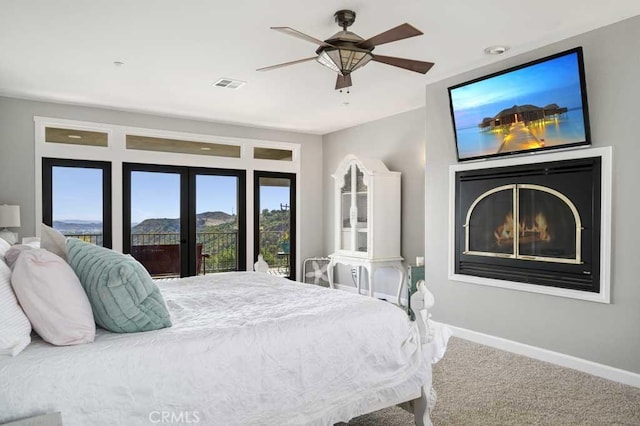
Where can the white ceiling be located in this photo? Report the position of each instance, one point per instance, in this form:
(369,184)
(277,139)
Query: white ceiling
(174,50)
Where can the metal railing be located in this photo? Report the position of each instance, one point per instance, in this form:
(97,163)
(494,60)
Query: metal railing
(219,249)
(277,259)
(87,238)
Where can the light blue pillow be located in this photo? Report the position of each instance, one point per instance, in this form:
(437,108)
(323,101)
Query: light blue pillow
(122,294)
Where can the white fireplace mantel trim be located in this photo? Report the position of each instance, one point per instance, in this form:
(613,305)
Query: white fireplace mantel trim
(606,154)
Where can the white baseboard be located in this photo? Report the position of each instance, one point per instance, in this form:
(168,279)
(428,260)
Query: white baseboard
(590,367)
(376,294)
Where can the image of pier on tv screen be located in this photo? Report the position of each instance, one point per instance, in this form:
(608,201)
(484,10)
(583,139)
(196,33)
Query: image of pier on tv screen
(538,106)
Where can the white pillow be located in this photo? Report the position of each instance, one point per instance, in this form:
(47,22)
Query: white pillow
(53,298)
(15,329)
(4,246)
(53,241)
(11,256)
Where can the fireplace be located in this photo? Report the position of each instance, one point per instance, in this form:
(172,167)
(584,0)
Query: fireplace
(537,224)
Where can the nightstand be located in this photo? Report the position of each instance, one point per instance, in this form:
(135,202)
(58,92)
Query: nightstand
(414,274)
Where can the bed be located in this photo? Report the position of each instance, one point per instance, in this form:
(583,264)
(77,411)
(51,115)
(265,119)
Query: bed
(246,348)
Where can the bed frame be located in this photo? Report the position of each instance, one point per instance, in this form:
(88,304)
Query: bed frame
(421,301)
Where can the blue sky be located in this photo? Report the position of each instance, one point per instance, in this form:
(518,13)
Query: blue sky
(556,81)
(77,195)
(75,192)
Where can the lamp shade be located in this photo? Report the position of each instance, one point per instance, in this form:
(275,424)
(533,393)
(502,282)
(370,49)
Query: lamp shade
(344,60)
(9,216)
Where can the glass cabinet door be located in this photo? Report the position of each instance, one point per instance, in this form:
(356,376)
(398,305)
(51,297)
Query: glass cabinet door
(354,214)
(362,216)
(345,217)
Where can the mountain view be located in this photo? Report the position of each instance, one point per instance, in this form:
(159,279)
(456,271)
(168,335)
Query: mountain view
(217,232)
(203,221)
(75,227)
(148,226)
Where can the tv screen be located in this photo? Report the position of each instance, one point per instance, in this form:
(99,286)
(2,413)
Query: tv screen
(537,106)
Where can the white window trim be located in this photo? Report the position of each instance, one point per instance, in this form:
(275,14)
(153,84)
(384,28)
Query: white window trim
(117,153)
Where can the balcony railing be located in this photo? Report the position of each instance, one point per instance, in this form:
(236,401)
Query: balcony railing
(216,251)
(275,252)
(88,238)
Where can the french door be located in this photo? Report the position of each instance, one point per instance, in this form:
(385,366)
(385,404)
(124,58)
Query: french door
(275,221)
(184,221)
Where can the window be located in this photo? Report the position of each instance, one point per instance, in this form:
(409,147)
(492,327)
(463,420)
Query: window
(76,137)
(76,198)
(260,153)
(146,143)
(198,180)
(274,221)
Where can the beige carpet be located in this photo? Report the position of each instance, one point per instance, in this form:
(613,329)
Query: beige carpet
(479,385)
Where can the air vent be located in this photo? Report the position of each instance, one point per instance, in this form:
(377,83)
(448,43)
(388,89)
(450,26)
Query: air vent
(229,83)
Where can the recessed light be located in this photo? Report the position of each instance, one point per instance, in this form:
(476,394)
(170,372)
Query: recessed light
(118,63)
(74,136)
(345,103)
(496,50)
(205,148)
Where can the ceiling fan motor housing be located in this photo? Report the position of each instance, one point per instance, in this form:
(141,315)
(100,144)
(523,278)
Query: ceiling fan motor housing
(345,18)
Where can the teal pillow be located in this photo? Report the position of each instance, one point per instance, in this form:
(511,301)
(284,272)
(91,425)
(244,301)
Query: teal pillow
(122,294)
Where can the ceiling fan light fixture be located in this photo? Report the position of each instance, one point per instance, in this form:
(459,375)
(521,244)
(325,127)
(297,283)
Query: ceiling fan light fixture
(324,59)
(344,60)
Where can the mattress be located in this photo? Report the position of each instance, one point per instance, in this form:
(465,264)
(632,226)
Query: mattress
(245,349)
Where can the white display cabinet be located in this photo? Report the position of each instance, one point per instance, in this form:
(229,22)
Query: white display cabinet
(367,225)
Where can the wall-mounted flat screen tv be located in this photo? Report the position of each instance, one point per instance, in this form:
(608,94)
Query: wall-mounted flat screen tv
(537,106)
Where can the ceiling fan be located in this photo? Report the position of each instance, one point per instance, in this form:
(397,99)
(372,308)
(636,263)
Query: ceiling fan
(344,52)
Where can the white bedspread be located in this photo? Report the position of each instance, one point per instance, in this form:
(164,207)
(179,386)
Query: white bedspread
(245,349)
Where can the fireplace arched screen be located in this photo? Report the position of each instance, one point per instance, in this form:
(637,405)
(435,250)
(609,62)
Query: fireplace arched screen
(526,222)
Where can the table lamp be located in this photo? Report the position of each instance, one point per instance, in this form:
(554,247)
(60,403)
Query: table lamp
(9,218)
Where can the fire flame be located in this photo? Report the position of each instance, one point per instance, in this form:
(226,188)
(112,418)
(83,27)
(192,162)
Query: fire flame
(541,227)
(504,232)
(539,231)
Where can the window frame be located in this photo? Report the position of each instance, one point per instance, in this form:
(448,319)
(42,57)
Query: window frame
(257,174)
(47,191)
(187,205)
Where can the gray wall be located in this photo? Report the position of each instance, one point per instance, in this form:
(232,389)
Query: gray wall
(17,156)
(399,142)
(607,334)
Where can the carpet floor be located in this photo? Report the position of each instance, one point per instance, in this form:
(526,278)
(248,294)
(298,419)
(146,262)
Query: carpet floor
(480,385)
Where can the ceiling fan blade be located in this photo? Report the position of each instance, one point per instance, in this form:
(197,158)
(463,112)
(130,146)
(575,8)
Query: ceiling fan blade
(394,34)
(272,67)
(408,64)
(343,81)
(295,33)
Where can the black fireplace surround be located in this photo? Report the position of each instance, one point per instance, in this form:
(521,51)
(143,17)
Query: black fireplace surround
(536,223)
